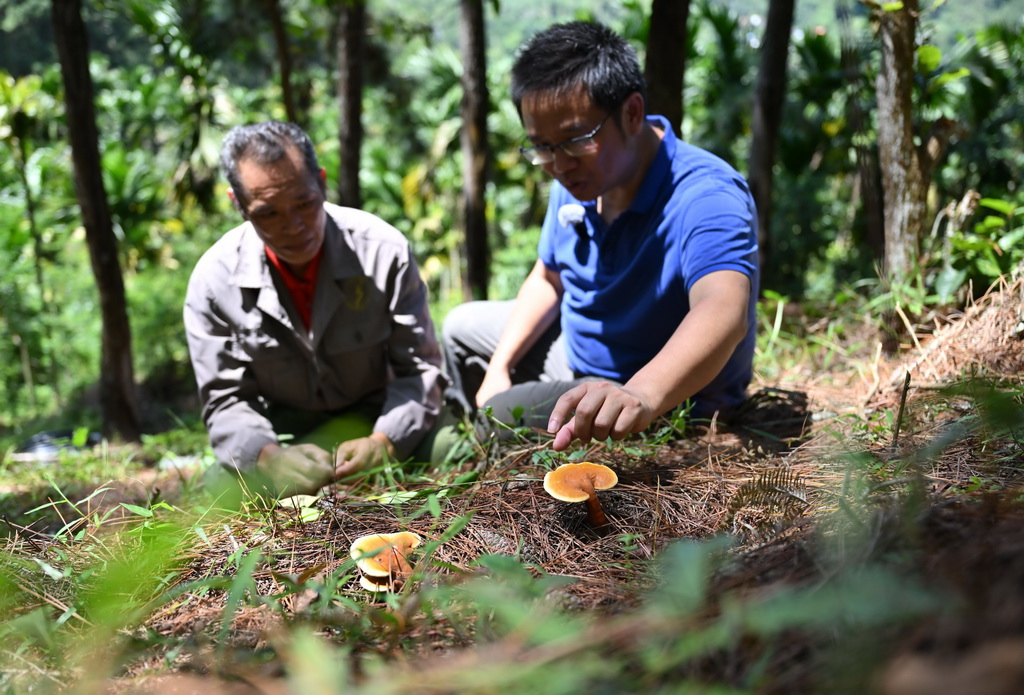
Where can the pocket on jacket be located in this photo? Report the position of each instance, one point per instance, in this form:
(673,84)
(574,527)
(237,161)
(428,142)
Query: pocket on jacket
(355,361)
(356,337)
(280,370)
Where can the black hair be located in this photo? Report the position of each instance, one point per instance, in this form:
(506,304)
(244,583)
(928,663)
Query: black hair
(264,143)
(566,56)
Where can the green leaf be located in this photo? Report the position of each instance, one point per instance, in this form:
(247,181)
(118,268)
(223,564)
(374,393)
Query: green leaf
(201,532)
(456,526)
(989,223)
(951,76)
(1011,240)
(989,268)
(400,497)
(465,478)
(242,582)
(948,281)
(51,571)
(929,58)
(434,506)
(998,205)
(136,509)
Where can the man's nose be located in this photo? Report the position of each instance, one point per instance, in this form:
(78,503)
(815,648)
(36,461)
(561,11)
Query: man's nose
(562,161)
(296,222)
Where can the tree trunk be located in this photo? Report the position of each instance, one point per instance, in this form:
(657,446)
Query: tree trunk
(351,33)
(767,116)
(904,185)
(475,152)
(118,399)
(284,56)
(666,60)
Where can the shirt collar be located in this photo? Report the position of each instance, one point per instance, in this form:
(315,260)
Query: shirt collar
(659,170)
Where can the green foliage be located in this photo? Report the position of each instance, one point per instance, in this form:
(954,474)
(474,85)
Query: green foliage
(810,342)
(719,83)
(162,119)
(978,257)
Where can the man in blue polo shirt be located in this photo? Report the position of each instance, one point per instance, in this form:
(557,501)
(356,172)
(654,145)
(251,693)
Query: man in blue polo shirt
(643,295)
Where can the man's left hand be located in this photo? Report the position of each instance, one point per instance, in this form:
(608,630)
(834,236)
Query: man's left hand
(361,454)
(602,410)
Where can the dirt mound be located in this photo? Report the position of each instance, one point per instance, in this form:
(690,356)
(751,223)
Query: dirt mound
(986,340)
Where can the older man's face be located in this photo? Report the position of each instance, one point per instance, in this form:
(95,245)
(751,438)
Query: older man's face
(285,203)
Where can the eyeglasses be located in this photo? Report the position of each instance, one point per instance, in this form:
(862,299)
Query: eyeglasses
(574,147)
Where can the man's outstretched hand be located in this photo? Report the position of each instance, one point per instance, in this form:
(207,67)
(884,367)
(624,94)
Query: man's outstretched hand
(300,469)
(602,410)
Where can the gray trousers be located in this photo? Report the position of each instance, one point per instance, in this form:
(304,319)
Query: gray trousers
(469,335)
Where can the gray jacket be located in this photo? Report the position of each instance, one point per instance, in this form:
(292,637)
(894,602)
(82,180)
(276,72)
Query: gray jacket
(371,340)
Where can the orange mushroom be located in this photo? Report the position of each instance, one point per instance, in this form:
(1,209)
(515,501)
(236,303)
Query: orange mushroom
(383,558)
(579,482)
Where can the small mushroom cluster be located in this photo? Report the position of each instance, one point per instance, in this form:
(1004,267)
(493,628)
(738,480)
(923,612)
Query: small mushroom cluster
(579,482)
(383,559)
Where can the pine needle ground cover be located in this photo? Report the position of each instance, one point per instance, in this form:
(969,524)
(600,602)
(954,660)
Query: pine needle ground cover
(860,532)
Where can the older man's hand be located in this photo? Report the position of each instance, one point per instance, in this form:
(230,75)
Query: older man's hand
(297,469)
(362,454)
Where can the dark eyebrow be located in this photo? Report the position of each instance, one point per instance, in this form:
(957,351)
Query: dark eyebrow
(573,131)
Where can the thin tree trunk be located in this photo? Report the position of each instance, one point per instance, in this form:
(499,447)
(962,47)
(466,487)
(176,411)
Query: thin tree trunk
(902,177)
(475,153)
(665,66)
(767,116)
(351,33)
(118,399)
(284,57)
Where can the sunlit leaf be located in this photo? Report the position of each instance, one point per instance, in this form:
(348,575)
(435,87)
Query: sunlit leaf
(136,509)
(50,570)
(929,58)
(1003,206)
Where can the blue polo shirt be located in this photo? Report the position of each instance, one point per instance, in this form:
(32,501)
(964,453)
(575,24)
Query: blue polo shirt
(626,285)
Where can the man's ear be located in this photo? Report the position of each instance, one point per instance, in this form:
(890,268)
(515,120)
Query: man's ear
(234,201)
(633,113)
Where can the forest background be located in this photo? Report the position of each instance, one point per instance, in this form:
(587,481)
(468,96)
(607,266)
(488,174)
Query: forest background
(169,78)
(853,531)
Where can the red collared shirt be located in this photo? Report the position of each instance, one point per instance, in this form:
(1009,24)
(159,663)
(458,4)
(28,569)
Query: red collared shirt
(300,287)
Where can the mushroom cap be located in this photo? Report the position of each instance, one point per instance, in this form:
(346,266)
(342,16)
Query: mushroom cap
(369,584)
(373,555)
(571,482)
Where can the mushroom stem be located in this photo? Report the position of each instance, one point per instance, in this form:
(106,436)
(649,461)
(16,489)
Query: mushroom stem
(595,512)
(399,566)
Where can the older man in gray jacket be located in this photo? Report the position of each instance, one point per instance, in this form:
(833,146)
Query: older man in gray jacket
(304,322)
